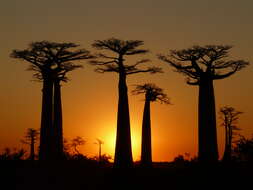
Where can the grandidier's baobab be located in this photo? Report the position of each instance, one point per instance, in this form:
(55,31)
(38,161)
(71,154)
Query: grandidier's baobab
(115,62)
(99,143)
(30,138)
(229,117)
(202,65)
(64,62)
(152,94)
(51,61)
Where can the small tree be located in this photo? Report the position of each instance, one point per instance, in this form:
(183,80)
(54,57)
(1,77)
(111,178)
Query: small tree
(51,61)
(202,65)
(116,63)
(30,138)
(105,158)
(75,142)
(99,143)
(244,149)
(152,94)
(12,154)
(229,117)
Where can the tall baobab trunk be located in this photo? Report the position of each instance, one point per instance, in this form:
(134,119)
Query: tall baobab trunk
(123,151)
(226,151)
(46,130)
(31,157)
(230,143)
(208,148)
(146,152)
(57,125)
(99,154)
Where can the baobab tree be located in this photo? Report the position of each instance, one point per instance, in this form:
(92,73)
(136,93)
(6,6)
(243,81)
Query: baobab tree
(115,62)
(152,94)
(202,65)
(99,143)
(60,76)
(75,142)
(51,61)
(30,138)
(229,117)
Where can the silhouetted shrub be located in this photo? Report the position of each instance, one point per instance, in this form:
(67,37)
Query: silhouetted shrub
(243,150)
(14,154)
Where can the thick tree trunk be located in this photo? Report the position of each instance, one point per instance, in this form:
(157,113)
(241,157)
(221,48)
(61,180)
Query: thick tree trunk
(146,151)
(208,148)
(99,153)
(46,132)
(226,151)
(123,151)
(230,143)
(32,149)
(57,125)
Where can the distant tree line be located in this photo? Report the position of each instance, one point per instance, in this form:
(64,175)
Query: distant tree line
(70,150)
(201,65)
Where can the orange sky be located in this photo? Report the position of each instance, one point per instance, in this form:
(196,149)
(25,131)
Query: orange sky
(90,99)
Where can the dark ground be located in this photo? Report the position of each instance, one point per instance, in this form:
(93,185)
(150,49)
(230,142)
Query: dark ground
(77,175)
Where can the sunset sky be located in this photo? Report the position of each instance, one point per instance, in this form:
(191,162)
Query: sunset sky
(90,99)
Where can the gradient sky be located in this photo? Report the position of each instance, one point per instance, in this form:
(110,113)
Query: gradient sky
(90,99)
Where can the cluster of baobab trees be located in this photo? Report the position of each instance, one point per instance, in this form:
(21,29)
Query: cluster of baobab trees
(201,65)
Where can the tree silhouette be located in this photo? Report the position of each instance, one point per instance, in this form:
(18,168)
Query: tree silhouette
(30,138)
(116,63)
(99,143)
(75,142)
(152,94)
(229,117)
(244,149)
(51,62)
(12,154)
(202,65)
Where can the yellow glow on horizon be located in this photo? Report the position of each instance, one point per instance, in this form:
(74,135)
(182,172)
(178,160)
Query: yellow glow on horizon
(109,139)
(136,145)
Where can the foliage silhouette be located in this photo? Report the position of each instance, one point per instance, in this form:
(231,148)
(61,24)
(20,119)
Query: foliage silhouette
(243,149)
(152,94)
(51,62)
(105,159)
(116,63)
(202,65)
(14,154)
(30,138)
(229,117)
(75,142)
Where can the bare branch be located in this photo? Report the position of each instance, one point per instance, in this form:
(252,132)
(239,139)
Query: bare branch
(133,52)
(174,64)
(140,62)
(101,55)
(192,82)
(107,68)
(234,65)
(151,70)
(96,62)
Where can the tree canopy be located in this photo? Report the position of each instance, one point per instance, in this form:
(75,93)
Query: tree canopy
(52,59)
(153,92)
(114,63)
(196,61)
